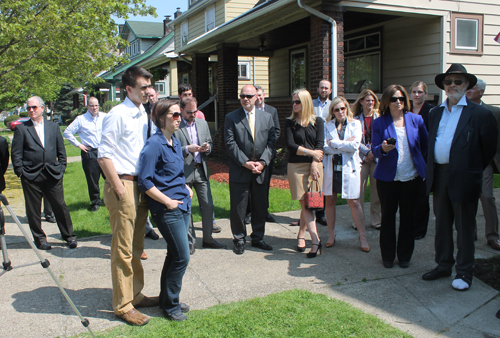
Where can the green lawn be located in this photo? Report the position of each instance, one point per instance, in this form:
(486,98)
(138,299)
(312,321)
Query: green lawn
(295,313)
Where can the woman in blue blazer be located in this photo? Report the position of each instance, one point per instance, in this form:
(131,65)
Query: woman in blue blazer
(400,143)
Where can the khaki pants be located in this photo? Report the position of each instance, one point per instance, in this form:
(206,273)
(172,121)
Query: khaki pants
(367,172)
(127,218)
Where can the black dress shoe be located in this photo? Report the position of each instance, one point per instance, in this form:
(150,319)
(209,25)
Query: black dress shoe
(239,248)
(153,235)
(270,218)
(72,244)
(262,245)
(498,314)
(214,245)
(192,248)
(419,237)
(404,265)
(216,229)
(44,246)
(388,264)
(436,273)
(95,207)
(176,316)
(321,220)
(50,219)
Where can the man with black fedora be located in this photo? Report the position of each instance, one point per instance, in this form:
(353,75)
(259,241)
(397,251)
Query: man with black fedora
(462,142)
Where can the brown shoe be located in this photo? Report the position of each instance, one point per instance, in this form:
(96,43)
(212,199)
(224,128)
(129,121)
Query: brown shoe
(134,317)
(144,256)
(148,302)
(494,244)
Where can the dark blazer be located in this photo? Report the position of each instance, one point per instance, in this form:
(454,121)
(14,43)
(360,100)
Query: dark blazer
(182,135)
(473,147)
(424,112)
(383,128)
(29,157)
(496,113)
(241,147)
(277,130)
(4,161)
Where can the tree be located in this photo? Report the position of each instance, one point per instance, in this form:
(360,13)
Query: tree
(46,43)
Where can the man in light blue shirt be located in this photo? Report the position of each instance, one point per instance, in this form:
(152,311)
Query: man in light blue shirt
(462,142)
(89,127)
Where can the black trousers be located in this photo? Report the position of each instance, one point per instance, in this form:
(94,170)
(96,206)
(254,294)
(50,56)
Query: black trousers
(422,210)
(394,195)
(53,190)
(92,172)
(239,197)
(447,213)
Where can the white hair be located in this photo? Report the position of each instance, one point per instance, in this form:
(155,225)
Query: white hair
(481,84)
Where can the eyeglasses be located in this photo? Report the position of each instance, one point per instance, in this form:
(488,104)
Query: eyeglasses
(243,96)
(175,115)
(93,105)
(296,102)
(338,110)
(190,112)
(448,82)
(400,99)
(31,107)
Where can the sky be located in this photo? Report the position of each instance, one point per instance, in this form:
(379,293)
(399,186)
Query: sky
(163,7)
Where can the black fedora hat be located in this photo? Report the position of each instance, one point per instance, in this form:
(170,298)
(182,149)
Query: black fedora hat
(456,68)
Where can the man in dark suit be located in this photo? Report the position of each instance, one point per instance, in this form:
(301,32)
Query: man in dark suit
(39,159)
(487,197)
(4,161)
(462,142)
(249,138)
(259,103)
(196,143)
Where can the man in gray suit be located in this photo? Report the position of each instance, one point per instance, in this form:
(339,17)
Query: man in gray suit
(487,197)
(321,107)
(249,138)
(196,143)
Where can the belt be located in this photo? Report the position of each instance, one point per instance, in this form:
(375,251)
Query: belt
(197,165)
(128,177)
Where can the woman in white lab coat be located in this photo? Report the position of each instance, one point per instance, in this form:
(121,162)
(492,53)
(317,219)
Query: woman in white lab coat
(342,167)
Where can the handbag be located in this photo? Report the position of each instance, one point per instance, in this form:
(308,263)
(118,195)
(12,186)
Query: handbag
(314,197)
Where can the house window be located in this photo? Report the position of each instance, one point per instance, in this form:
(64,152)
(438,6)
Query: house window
(467,33)
(160,87)
(244,70)
(184,33)
(209,18)
(363,55)
(297,69)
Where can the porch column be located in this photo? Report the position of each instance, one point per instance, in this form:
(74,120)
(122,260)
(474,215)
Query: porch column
(199,81)
(227,78)
(113,91)
(321,51)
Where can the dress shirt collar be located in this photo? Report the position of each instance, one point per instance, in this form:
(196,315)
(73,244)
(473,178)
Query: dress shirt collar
(322,104)
(462,102)
(132,108)
(187,123)
(252,111)
(37,124)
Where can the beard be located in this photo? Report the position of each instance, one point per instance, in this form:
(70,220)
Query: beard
(456,95)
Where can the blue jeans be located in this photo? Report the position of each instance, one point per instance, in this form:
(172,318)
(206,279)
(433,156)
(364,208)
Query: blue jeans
(173,225)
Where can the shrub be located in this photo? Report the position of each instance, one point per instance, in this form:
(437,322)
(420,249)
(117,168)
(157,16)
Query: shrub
(23,114)
(11,118)
(108,105)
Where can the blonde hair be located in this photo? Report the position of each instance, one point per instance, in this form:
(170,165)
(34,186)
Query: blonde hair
(357,108)
(336,101)
(307,115)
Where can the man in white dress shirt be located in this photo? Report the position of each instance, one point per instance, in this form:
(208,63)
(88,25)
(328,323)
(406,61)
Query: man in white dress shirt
(124,132)
(89,127)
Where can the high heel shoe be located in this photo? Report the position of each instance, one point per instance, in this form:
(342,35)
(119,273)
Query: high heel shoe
(364,248)
(311,254)
(301,248)
(328,244)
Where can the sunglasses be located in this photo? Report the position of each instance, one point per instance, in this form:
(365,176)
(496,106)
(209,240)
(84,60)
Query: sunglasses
(296,102)
(400,99)
(31,107)
(243,96)
(175,115)
(448,82)
(190,112)
(338,110)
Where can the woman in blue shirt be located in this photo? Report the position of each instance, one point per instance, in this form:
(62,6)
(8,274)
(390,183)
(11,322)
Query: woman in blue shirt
(161,177)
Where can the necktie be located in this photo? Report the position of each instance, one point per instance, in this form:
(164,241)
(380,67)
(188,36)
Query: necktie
(250,122)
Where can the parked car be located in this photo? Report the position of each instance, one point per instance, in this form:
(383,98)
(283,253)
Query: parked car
(14,124)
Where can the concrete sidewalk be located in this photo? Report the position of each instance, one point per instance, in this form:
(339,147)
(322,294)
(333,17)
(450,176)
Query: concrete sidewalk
(32,306)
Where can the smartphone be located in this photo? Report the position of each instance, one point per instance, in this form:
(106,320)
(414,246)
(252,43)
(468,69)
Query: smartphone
(391,140)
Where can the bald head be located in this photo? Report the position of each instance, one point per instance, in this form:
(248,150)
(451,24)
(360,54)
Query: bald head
(247,97)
